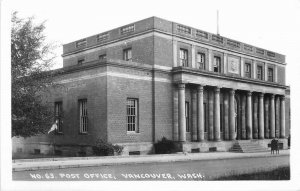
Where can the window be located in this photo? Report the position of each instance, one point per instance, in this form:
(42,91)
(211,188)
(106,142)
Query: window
(81,43)
(201,34)
(127,29)
(217,64)
(80,61)
(102,57)
(270,75)
(184,29)
(83,116)
(248,70)
(201,60)
(260,72)
(187,115)
(58,116)
(221,117)
(102,37)
(127,54)
(217,38)
(183,56)
(132,115)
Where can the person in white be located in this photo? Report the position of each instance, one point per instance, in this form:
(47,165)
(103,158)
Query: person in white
(54,126)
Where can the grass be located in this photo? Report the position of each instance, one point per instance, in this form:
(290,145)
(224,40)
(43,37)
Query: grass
(281,173)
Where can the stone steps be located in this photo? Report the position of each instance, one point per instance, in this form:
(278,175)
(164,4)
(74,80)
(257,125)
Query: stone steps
(247,147)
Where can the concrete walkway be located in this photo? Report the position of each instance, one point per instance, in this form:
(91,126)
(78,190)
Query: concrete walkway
(75,162)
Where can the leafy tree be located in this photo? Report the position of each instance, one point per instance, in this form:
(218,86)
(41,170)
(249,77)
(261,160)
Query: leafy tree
(31,60)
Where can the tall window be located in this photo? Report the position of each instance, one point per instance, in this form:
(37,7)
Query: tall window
(187,115)
(183,56)
(132,115)
(248,70)
(83,116)
(270,75)
(127,54)
(58,115)
(259,72)
(221,117)
(201,60)
(217,64)
(80,61)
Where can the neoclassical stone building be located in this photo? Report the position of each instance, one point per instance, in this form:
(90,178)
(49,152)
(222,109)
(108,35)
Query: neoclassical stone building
(154,78)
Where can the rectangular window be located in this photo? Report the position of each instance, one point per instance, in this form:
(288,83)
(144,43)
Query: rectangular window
(201,34)
(260,72)
(127,54)
(58,116)
(201,60)
(83,116)
(102,37)
(184,29)
(132,115)
(183,56)
(187,115)
(80,61)
(127,29)
(270,75)
(248,70)
(81,43)
(102,57)
(217,64)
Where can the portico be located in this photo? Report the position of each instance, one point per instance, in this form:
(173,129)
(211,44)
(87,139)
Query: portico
(248,110)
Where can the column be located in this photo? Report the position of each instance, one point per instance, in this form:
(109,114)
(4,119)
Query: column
(261,127)
(194,115)
(243,116)
(272,116)
(255,117)
(277,117)
(249,115)
(226,125)
(200,117)
(181,112)
(282,121)
(231,115)
(211,116)
(217,114)
(267,115)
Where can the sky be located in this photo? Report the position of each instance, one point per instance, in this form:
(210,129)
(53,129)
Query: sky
(270,24)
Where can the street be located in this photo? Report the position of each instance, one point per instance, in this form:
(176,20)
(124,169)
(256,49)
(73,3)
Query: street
(187,170)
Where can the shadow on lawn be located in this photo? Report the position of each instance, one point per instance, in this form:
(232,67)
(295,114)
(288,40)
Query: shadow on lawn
(282,173)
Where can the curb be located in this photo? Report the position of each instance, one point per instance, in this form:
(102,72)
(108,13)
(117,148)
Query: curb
(97,163)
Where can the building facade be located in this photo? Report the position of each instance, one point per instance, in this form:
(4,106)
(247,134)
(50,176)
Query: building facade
(154,78)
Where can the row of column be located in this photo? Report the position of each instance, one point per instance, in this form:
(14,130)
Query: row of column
(260,119)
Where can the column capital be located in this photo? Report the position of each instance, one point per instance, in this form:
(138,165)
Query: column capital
(282,97)
(261,95)
(232,91)
(181,86)
(217,89)
(272,96)
(249,93)
(200,88)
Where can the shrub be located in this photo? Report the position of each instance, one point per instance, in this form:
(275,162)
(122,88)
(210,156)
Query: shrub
(103,148)
(165,146)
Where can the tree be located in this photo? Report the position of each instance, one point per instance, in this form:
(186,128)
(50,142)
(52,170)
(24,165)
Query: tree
(31,60)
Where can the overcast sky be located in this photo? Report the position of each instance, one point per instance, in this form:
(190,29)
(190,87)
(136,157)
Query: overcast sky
(270,24)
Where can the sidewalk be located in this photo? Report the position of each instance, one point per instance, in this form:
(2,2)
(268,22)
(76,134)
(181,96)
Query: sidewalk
(76,162)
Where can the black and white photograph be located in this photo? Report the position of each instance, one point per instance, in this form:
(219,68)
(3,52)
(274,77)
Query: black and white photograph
(150,95)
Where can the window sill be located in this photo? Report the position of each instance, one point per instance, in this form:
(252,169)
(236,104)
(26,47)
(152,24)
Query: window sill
(132,133)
